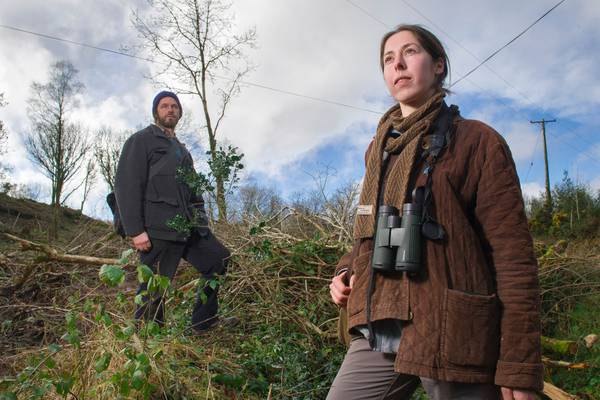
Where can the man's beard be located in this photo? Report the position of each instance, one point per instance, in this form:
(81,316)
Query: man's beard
(168,123)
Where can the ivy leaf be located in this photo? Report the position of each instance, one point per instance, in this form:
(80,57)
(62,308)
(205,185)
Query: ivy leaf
(112,275)
(144,273)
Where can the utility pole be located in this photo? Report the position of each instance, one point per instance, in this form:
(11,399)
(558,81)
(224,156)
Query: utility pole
(548,193)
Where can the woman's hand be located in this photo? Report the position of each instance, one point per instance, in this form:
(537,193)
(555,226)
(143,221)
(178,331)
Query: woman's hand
(515,394)
(339,290)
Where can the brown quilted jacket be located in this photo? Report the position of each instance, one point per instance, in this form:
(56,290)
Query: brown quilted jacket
(474,314)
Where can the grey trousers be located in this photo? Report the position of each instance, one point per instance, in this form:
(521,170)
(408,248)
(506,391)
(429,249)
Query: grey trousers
(370,375)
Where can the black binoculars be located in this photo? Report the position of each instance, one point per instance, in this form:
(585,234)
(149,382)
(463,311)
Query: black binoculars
(398,239)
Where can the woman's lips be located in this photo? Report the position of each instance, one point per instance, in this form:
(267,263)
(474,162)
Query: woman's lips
(403,80)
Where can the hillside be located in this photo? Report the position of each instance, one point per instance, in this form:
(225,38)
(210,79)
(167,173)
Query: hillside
(68,334)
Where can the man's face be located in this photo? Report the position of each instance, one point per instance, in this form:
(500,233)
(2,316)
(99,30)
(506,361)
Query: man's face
(167,112)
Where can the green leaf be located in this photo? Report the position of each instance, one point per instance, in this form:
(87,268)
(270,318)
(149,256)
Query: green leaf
(125,256)
(143,359)
(213,284)
(64,385)
(71,320)
(144,273)
(50,363)
(121,298)
(138,379)
(71,338)
(152,285)
(112,275)
(103,362)
(232,381)
(128,331)
(139,299)
(163,282)
(106,320)
(54,348)
(8,396)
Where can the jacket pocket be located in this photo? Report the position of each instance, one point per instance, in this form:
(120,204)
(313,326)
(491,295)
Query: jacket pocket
(164,189)
(361,266)
(158,213)
(470,334)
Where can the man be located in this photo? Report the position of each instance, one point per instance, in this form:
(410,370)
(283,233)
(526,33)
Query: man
(153,199)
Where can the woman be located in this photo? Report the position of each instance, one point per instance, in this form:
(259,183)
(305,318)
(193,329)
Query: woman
(464,319)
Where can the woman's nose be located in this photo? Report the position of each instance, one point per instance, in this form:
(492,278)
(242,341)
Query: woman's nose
(399,63)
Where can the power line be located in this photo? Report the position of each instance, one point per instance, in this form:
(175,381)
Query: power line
(368,13)
(258,85)
(507,44)
(416,10)
(537,141)
(89,46)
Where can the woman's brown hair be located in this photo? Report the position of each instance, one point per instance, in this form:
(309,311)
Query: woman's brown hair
(429,42)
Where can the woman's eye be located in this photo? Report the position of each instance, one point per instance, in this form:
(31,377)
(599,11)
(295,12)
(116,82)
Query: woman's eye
(410,50)
(387,60)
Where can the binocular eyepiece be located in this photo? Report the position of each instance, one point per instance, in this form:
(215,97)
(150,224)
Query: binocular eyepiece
(398,239)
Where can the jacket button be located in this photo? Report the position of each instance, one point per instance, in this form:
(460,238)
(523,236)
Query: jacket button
(410,315)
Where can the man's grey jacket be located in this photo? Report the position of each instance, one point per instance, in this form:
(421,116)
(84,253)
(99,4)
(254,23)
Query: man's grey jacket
(149,189)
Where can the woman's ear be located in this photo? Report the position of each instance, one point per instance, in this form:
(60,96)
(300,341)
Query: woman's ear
(438,66)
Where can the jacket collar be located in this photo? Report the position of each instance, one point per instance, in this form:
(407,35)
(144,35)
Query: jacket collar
(157,131)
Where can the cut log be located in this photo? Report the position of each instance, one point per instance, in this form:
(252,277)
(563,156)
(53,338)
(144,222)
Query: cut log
(555,393)
(559,346)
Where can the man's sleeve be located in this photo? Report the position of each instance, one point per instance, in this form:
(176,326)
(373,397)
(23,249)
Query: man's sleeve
(130,185)
(500,211)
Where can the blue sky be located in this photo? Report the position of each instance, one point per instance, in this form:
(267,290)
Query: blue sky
(329,49)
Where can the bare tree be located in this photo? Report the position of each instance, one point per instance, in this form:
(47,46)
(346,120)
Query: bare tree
(5,186)
(91,173)
(57,145)
(258,203)
(107,149)
(195,41)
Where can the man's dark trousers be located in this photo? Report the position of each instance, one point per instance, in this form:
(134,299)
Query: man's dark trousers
(206,254)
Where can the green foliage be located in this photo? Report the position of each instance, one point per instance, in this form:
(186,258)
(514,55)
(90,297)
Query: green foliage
(186,226)
(584,319)
(112,275)
(575,212)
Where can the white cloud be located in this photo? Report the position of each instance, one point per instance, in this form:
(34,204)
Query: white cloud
(532,189)
(321,49)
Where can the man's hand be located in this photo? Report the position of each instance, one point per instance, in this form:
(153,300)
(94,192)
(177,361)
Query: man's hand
(515,394)
(141,242)
(339,290)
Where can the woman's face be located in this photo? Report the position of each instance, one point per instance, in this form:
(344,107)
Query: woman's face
(409,71)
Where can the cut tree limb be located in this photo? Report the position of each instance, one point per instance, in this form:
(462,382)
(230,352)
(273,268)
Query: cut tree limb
(564,364)
(53,254)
